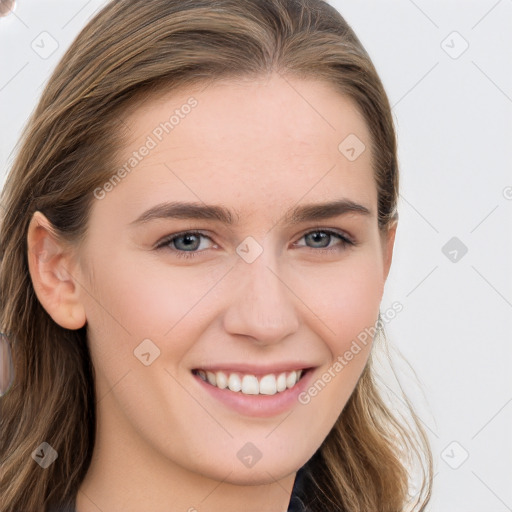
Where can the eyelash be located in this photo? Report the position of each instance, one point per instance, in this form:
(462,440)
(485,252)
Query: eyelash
(165,242)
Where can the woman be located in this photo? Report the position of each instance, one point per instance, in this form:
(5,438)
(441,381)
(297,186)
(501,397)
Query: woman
(196,236)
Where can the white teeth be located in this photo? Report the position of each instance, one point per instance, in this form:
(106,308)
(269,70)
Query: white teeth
(268,385)
(234,382)
(291,379)
(250,384)
(211,378)
(281,382)
(222,380)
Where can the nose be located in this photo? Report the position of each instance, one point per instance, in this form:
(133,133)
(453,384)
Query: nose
(263,304)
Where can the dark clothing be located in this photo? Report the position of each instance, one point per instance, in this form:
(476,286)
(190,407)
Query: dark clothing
(296,503)
(296,500)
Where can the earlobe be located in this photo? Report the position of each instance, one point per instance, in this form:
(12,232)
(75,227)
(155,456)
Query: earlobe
(51,267)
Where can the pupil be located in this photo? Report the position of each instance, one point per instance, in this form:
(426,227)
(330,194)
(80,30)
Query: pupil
(189,240)
(317,237)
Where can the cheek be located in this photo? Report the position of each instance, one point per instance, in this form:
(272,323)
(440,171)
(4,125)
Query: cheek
(134,300)
(345,297)
(347,302)
(145,297)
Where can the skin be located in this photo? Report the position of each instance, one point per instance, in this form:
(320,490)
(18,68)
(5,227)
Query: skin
(258,148)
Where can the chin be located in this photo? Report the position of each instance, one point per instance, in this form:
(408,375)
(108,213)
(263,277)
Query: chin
(261,473)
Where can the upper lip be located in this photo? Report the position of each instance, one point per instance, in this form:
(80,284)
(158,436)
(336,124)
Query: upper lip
(252,369)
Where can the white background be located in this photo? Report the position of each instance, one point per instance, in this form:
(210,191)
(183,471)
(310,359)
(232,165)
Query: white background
(453,112)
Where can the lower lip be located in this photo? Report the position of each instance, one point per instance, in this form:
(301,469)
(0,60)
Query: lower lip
(261,406)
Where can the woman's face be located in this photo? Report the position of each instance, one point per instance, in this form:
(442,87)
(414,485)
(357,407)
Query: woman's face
(260,279)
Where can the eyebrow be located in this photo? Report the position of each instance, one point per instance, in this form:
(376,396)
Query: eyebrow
(296,215)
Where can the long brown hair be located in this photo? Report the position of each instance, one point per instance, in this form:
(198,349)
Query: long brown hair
(133,49)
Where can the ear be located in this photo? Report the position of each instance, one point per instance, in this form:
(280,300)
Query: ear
(51,266)
(388,243)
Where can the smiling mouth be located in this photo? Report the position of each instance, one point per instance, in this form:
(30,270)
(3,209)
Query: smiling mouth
(248,384)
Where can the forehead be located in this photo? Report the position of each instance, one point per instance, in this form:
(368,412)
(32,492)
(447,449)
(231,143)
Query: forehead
(268,140)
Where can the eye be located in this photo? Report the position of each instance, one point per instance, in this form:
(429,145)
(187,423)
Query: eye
(322,238)
(189,244)
(184,245)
